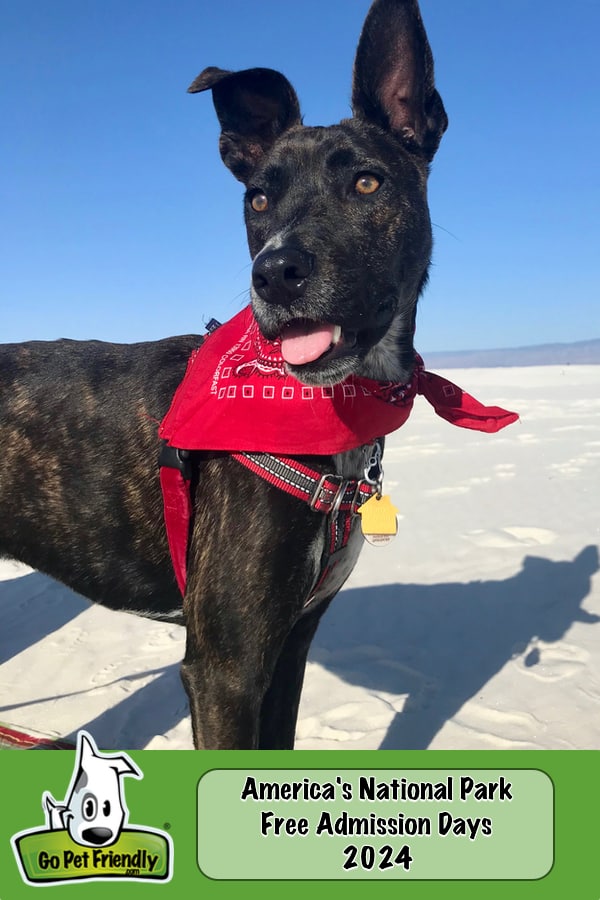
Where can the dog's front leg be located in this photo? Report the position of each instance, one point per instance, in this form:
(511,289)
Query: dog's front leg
(235,649)
(280,706)
(224,695)
(252,565)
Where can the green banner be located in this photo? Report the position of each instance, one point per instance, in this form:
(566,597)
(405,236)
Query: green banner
(443,824)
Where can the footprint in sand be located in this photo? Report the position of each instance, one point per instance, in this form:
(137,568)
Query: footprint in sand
(104,676)
(552,662)
(315,728)
(76,637)
(570,467)
(338,724)
(511,536)
(505,470)
(432,449)
(528,438)
(498,723)
(161,638)
(452,491)
(456,489)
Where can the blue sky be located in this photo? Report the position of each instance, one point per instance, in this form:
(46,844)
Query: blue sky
(118,220)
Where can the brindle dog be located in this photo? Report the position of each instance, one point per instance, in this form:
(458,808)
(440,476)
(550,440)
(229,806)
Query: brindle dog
(339,230)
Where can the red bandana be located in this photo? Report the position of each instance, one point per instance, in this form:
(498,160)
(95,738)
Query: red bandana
(237,396)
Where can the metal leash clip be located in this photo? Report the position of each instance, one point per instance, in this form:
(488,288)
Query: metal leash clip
(373,472)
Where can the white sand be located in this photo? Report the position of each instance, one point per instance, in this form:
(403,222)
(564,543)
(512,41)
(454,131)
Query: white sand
(478,628)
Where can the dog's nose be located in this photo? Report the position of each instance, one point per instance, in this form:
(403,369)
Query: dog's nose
(280,276)
(97,836)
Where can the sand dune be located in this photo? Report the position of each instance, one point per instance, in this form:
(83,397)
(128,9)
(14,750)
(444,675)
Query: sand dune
(478,628)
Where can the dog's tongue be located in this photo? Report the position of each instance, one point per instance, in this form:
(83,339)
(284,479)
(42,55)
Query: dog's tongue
(303,342)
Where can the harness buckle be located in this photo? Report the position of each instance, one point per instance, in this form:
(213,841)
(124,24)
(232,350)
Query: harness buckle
(368,488)
(329,504)
(174,458)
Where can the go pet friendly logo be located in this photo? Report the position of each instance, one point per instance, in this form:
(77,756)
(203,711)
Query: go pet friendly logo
(87,836)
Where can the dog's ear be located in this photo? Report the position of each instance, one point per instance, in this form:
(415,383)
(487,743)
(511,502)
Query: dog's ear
(254,106)
(393,76)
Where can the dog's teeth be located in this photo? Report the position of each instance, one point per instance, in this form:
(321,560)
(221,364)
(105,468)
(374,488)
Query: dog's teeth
(337,333)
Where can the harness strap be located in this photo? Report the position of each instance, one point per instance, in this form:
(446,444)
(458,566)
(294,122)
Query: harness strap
(332,495)
(175,480)
(323,493)
(178,513)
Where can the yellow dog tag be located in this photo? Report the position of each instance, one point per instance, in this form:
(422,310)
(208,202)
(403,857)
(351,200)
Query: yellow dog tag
(378,520)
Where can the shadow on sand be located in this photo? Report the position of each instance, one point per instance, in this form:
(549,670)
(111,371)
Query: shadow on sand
(33,607)
(441,643)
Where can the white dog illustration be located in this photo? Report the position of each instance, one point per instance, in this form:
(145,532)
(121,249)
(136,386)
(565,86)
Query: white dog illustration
(94,810)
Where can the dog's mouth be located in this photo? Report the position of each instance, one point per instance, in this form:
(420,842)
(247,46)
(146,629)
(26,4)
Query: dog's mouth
(304,342)
(322,353)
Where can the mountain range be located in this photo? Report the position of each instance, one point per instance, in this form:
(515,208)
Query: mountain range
(578,353)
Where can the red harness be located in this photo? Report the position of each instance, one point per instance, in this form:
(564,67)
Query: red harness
(236,396)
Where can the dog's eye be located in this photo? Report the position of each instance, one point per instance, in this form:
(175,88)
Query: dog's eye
(367,183)
(89,807)
(106,807)
(259,202)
